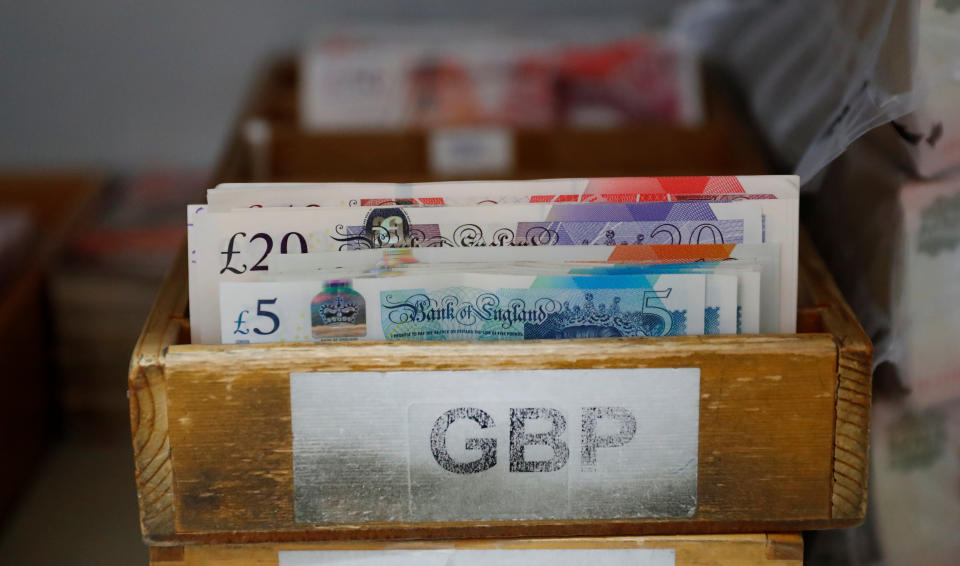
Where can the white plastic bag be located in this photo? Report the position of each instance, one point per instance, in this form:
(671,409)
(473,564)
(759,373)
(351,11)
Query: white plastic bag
(817,74)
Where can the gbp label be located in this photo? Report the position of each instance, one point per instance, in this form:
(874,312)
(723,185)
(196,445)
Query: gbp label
(495,445)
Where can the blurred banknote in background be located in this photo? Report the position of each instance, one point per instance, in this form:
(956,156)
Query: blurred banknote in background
(915,481)
(929,311)
(394,78)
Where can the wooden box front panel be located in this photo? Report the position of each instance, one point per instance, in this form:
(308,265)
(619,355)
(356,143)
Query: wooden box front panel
(717,550)
(766,426)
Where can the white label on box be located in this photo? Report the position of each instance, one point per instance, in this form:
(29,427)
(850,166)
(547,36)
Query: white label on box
(495,445)
(470,151)
(480,557)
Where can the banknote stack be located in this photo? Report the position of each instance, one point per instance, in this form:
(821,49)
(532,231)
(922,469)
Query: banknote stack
(494,260)
(583,75)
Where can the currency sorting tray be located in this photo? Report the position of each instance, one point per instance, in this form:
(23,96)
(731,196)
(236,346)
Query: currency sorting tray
(782,429)
(268,144)
(702,550)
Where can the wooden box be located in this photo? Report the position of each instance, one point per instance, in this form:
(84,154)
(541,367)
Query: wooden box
(783,424)
(269,144)
(783,420)
(716,550)
(54,203)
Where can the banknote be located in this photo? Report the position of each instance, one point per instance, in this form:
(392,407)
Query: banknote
(781,218)
(725,280)
(759,304)
(720,304)
(228,196)
(363,80)
(722,300)
(781,227)
(240,245)
(364,260)
(557,233)
(749,293)
(462,306)
(733,295)
(319,229)
(725,299)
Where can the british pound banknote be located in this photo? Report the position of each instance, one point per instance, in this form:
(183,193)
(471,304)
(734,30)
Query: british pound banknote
(228,196)
(463,306)
(759,304)
(239,245)
(254,232)
(455,75)
(722,308)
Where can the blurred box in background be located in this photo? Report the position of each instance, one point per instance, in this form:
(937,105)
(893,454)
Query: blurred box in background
(588,74)
(36,213)
(418,103)
(272,145)
(106,281)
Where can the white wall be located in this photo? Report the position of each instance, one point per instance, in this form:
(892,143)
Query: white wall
(144,83)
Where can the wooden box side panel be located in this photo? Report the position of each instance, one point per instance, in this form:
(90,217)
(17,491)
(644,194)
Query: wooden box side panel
(724,550)
(148,403)
(766,427)
(854,383)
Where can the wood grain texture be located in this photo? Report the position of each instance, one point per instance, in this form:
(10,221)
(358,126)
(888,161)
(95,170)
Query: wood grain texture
(213,443)
(717,550)
(148,402)
(854,386)
(766,428)
(779,437)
